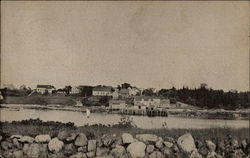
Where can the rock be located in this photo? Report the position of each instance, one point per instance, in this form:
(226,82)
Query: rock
(107,140)
(6,145)
(238,154)
(213,155)
(169,139)
(1,137)
(147,138)
(210,145)
(127,138)
(7,154)
(150,149)
(56,155)
(159,143)
(235,143)
(199,144)
(90,154)
(203,151)
(186,143)
(81,140)
(16,136)
(18,154)
(71,137)
(244,144)
(78,155)
(16,143)
(118,151)
(33,151)
(117,141)
(195,154)
(82,149)
(167,151)
(42,138)
(156,154)
(69,149)
(91,145)
(25,148)
(175,148)
(136,149)
(102,151)
(63,135)
(26,139)
(55,145)
(43,150)
(168,144)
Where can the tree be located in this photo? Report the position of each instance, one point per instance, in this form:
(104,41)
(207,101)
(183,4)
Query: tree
(148,92)
(67,89)
(126,85)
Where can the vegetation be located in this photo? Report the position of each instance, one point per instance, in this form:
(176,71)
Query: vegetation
(35,127)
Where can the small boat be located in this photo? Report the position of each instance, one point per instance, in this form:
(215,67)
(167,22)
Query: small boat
(88,113)
(78,103)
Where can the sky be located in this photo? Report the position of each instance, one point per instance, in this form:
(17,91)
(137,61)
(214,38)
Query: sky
(147,44)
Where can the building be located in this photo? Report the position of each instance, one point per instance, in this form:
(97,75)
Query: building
(124,92)
(147,101)
(103,91)
(43,88)
(115,94)
(75,90)
(165,103)
(117,104)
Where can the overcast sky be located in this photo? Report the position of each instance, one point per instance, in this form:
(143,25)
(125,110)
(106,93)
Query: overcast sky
(148,44)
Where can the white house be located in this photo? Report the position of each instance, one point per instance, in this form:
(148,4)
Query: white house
(147,101)
(102,91)
(75,90)
(115,94)
(43,88)
(117,104)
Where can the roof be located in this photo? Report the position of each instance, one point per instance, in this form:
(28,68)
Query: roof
(124,91)
(105,88)
(117,101)
(146,98)
(45,86)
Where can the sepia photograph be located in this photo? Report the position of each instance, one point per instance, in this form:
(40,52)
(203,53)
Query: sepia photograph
(124,79)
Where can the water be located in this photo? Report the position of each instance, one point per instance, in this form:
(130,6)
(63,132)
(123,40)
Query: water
(145,122)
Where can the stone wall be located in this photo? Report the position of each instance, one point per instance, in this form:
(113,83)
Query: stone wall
(125,146)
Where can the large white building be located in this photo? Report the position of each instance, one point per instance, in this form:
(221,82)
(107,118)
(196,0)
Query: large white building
(102,91)
(43,88)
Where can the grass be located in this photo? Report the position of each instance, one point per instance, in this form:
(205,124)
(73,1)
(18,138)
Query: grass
(41,100)
(35,127)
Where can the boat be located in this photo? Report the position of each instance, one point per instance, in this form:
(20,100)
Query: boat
(78,103)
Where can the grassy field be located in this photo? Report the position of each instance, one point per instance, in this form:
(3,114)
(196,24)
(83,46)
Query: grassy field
(42,100)
(35,127)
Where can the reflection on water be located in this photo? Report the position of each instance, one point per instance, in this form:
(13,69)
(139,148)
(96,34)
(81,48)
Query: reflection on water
(80,119)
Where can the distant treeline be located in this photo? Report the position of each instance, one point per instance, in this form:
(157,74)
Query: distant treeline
(208,98)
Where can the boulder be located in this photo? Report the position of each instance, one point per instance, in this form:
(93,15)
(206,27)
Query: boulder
(118,151)
(127,138)
(56,155)
(78,155)
(147,138)
(210,145)
(186,143)
(159,143)
(102,151)
(16,143)
(167,152)
(90,154)
(26,139)
(42,138)
(16,136)
(156,154)
(169,139)
(6,145)
(82,149)
(195,154)
(238,154)
(71,137)
(244,144)
(235,143)
(33,151)
(55,145)
(150,149)
(18,154)
(91,145)
(168,144)
(63,135)
(7,154)
(213,154)
(69,149)
(137,149)
(81,140)
(117,141)
(108,140)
